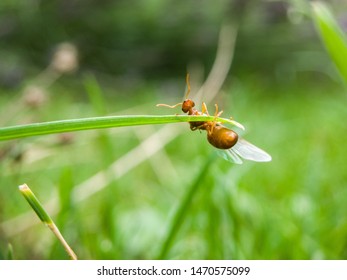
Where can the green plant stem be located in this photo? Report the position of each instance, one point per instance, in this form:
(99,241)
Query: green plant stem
(19,131)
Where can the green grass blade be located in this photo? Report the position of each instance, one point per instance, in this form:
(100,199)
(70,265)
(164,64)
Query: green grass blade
(332,36)
(19,131)
(35,204)
(183,208)
(10,252)
(45,218)
(95,94)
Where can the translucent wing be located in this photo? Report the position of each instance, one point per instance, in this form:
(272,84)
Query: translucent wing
(248,151)
(230,155)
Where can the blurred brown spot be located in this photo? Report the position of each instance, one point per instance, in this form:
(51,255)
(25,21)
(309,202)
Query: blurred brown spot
(34,96)
(65,138)
(65,58)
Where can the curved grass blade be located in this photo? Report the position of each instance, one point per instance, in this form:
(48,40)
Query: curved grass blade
(34,129)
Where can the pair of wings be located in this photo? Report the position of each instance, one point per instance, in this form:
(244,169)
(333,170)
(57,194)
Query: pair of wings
(244,149)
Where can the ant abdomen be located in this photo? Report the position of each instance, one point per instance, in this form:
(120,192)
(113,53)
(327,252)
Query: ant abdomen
(222,137)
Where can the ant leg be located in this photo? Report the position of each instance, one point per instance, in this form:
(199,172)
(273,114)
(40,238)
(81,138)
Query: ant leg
(200,127)
(217,114)
(204,109)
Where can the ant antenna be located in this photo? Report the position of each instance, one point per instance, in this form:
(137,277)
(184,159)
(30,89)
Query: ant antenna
(187,93)
(170,106)
(188,85)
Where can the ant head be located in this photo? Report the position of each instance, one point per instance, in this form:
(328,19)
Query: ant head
(187,105)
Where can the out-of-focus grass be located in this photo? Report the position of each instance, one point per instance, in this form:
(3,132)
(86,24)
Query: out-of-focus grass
(332,36)
(291,208)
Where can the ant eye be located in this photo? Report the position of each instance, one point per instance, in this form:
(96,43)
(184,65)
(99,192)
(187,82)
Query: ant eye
(184,109)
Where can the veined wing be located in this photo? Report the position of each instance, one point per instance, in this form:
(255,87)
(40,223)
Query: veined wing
(248,151)
(230,155)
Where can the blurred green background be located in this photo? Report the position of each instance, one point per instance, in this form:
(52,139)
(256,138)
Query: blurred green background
(160,191)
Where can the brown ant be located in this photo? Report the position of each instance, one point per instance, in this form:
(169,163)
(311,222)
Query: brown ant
(217,135)
(220,136)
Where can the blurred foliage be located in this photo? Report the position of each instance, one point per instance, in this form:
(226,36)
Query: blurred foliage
(291,208)
(156,39)
(332,36)
(282,86)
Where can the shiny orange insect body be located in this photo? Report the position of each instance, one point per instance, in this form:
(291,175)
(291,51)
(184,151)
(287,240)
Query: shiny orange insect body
(220,136)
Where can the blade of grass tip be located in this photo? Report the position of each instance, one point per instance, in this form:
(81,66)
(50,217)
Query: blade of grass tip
(101,179)
(183,208)
(95,94)
(332,36)
(10,252)
(35,204)
(45,218)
